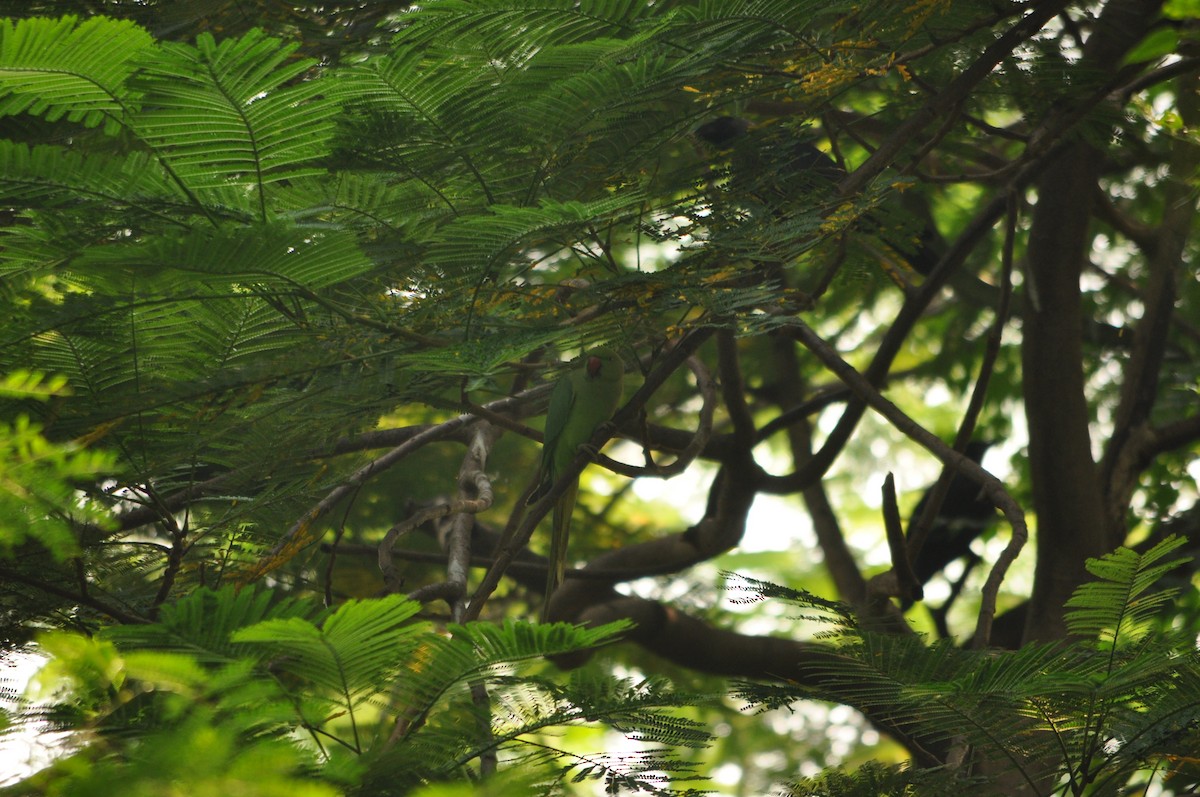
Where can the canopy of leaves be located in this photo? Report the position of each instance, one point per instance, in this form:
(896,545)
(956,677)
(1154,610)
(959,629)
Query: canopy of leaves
(283,281)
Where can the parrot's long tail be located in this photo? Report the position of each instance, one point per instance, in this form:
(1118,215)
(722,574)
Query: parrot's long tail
(557,570)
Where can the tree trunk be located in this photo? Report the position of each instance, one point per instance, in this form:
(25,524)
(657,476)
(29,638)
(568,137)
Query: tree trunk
(1072,523)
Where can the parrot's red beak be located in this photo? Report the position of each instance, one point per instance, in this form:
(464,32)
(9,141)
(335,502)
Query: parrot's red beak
(593,366)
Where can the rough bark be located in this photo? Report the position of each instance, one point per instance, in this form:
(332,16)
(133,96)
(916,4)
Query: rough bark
(1066,486)
(1067,493)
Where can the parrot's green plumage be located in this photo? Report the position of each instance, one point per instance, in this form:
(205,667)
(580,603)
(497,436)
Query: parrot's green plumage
(584,397)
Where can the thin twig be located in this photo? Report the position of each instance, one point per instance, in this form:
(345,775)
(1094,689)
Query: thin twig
(951,95)
(300,535)
(469,506)
(910,588)
(119,615)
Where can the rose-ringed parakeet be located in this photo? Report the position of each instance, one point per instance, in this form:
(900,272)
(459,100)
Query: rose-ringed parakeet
(585,396)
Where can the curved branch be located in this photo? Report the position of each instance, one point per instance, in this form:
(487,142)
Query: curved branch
(1141,375)
(476,483)
(696,645)
(839,559)
(475,491)
(992,486)
(695,446)
(366,441)
(722,527)
(301,534)
(910,312)
(733,390)
(518,537)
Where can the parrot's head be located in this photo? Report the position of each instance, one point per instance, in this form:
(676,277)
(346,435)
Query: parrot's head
(605,365)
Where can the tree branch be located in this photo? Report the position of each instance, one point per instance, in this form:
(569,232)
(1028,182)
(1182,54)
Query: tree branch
(1140,376)
(696,444)
(519,536)
(80,598)
(992,486)
(301,534)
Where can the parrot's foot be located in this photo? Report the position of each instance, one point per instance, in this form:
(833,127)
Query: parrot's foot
(608,428)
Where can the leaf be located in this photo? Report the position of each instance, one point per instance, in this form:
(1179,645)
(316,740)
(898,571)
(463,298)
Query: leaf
(1181,9)
(203,623)
(1157,44)
(39,498)
(279,255)
(233,113)
(355,653)
(50,176)
(1118,608)
(66,69)
(32,384)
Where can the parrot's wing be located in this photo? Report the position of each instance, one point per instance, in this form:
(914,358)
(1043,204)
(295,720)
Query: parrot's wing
(562,399)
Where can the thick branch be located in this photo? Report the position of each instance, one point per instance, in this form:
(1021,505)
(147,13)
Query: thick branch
(475,496)
(1119,469)
(722,527)
(992,487)
(302,534)
(697,442)
(692,643)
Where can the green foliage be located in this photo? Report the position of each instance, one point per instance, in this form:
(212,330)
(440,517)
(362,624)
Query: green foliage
(239,257)
(1113,702)
(1118,608)
(879,780)
(362,700)
(64,69)
(386,702)
(254,259)
(39,498)
(203,623)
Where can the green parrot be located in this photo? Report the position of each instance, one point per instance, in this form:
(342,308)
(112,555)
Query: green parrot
(585,397)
